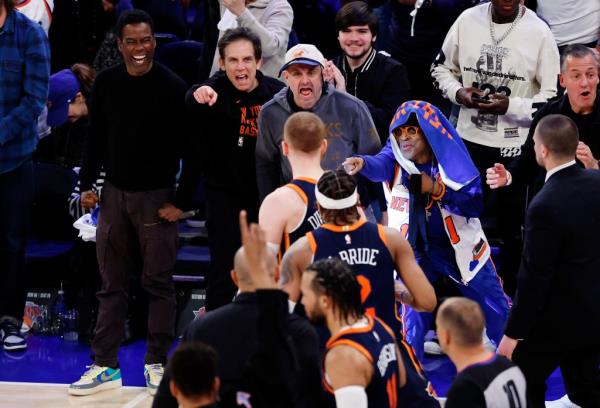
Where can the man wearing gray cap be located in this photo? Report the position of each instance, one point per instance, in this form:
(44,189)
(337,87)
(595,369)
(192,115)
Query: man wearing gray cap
(350,128)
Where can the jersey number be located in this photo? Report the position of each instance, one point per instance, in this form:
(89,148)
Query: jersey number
(365,291)
(512,394)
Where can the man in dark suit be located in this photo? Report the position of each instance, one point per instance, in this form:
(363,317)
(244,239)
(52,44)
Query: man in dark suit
(259,362)
(555,319)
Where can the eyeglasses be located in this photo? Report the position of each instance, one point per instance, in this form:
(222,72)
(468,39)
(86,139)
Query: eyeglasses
(407,132)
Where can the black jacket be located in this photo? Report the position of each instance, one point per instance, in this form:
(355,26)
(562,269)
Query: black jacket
(524,169)
(559,277)
(262,350)
(381,83)
(225,133)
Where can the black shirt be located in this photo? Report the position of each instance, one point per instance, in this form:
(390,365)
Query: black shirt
(524,169)
(493,383)
(263,351)
(225,134)
(137,129)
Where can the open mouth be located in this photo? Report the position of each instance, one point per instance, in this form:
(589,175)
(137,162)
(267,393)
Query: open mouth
(585,94)
(139,59)
(305,92)
(242,77)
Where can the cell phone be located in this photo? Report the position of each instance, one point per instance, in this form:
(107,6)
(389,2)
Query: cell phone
(480,99)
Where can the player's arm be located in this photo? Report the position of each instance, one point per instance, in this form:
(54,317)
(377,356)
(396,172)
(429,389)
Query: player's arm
(295,260)
(349,373)
(271,217)
(421,295)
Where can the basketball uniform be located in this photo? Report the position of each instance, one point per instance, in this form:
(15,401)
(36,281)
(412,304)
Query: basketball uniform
(377,343)
(305,188)
(363,246)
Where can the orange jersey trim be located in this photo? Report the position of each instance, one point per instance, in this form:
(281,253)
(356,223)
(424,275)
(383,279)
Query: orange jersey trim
(311,241)
(365,329)
(344,228)
(354,345)
(413,358)
(299,191)
(381,232)
(386,327)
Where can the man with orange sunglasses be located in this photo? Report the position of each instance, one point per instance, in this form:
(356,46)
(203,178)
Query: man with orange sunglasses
(434,197)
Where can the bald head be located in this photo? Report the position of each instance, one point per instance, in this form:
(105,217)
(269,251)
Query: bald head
(463,319)
(240,266)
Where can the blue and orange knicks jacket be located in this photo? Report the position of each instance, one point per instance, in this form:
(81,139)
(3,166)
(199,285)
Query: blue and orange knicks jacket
(377,343)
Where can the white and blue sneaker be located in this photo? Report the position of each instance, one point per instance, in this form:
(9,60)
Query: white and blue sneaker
(12,338)
(96,379)
(153,373)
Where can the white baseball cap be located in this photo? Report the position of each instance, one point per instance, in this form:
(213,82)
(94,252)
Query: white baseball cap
(306,54)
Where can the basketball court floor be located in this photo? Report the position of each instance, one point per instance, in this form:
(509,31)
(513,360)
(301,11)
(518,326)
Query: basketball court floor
(39,377)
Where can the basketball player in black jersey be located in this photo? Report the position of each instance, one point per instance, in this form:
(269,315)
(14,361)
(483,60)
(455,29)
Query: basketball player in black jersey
(362,364)
(374,252)
(291,211)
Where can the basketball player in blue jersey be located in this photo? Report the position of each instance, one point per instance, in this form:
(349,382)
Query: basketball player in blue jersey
(289,212)
(374,252)
(362,365)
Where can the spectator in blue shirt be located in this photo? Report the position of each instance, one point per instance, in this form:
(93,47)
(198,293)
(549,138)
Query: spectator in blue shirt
(24,72)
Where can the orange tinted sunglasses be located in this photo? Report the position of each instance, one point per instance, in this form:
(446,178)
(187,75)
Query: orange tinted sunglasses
(407,132)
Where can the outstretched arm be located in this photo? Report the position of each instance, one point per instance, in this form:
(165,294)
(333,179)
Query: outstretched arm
(421,294)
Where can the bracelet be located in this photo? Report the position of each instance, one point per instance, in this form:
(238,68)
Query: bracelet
(437,197)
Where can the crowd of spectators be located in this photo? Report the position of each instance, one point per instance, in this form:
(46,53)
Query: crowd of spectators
(435,118)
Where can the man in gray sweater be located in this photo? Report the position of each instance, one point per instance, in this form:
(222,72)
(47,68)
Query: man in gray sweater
(350,128)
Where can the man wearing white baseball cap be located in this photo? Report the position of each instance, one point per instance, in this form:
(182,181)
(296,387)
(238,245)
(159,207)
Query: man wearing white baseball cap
(350,128)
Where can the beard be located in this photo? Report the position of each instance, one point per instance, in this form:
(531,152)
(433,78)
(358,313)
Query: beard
(316,316)
(362,54)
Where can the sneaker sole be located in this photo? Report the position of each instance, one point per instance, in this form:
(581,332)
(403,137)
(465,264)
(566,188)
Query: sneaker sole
(18,347)
(89,391)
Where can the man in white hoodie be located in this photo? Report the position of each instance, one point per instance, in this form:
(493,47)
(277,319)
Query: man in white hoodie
(271,20)
(500,63)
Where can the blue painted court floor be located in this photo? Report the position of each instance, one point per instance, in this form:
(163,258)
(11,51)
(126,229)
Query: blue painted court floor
(50,359)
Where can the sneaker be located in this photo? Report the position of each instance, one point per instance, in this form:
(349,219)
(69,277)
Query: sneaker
(432,347)
(96,379)
(153,373)
(12,339)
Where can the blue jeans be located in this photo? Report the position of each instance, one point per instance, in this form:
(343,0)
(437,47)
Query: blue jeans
(485,288)
(16,202)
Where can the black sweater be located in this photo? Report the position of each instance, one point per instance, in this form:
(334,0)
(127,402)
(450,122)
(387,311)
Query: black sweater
(524,169)
(225,134)
(137,129)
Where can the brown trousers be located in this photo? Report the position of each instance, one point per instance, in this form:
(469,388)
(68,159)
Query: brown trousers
(129,229)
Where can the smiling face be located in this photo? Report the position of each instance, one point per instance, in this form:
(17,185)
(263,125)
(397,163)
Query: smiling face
(505,11)
(580,78)
(306,84)
(137,46)
(412,144)
(240,65)
(356,41)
